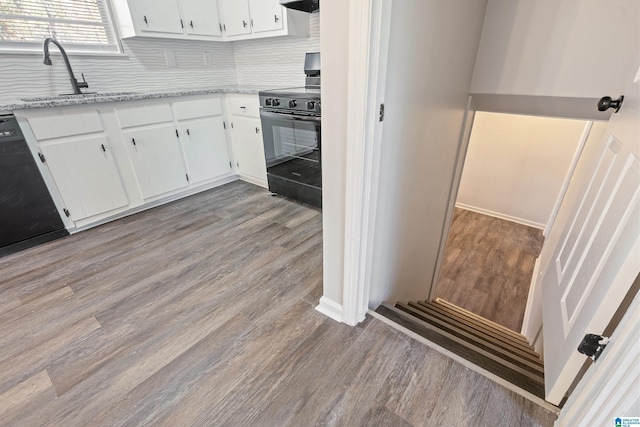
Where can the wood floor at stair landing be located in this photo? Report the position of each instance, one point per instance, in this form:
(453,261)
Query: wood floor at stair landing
(201,312)
(487,266)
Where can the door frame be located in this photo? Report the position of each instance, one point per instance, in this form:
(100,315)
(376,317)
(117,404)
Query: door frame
(368,37)
(362,171)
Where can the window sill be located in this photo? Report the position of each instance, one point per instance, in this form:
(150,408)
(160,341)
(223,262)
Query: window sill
(71,54)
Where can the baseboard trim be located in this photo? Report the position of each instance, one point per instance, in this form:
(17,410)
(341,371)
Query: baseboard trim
(86,224)
(330,309)
(254,181)
(502,216)
(501,381)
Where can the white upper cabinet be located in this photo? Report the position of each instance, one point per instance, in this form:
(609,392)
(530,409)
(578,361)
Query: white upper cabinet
(266,15)
(177,19)
(201,18)
(251,19)
(237,20)
(215,20)
(158,16)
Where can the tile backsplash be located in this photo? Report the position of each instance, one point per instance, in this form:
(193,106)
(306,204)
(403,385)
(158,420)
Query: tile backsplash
(272,62)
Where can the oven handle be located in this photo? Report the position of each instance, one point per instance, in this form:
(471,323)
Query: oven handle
(293,116)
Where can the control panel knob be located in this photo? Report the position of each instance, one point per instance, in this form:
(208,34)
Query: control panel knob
(311,105)
(275,102)
(268,101)
(292,103)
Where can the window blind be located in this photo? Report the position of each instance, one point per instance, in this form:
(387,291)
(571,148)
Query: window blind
(80,25)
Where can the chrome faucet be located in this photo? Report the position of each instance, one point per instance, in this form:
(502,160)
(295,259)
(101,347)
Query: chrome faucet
(47,61)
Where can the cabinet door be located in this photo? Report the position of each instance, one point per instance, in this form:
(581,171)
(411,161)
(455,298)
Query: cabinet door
(248,149)
(236,17)
(157,159)
(86,175)
(205,148)
(158,16)
(201,17)
(266,15)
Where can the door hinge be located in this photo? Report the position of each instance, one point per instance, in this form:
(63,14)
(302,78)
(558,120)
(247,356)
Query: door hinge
(593,345)
(187,175)
(381,112)
(66,212)
(41,157)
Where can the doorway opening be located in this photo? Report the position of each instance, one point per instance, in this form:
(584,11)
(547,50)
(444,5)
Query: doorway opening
(515,174)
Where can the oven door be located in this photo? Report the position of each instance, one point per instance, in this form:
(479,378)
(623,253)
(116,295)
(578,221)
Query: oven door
(292,147)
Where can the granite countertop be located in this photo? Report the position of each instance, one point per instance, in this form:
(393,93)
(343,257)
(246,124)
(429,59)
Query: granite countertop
(100,97)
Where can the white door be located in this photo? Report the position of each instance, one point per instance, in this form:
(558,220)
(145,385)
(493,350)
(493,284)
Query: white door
(86,175)
(205,147)
(266,15)
(592,254)
(236,17)
(157,160)
(158,16)
(201,17)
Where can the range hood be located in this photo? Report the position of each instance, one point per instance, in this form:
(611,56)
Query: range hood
(303,5)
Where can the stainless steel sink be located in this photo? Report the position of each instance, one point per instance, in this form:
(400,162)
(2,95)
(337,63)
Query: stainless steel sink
(79,96)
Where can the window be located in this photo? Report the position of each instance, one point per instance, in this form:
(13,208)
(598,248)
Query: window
(80,25)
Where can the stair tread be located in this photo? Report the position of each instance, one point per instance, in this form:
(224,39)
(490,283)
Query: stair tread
(526,380)
(508,353)
(472,325)
(471,315)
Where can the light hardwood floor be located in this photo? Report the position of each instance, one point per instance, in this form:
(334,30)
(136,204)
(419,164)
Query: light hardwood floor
(200,313)
(488,265)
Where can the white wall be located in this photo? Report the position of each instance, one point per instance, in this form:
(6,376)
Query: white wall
(516,165)
(144,68)
(564,48)
(270,62)
(334,48)
(432,50)
(276,61)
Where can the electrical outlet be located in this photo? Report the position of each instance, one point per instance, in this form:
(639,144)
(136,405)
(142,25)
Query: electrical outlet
(170,57)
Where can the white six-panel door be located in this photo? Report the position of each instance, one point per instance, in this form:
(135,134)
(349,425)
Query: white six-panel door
(592,254)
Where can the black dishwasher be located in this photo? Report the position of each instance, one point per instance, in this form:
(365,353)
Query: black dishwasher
(28,215)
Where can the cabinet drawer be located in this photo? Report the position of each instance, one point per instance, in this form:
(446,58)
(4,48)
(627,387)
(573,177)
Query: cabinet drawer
(141,115)
(244,105)
(197,108)
(57,123)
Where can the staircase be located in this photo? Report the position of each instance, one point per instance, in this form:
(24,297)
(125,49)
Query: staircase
(488,345)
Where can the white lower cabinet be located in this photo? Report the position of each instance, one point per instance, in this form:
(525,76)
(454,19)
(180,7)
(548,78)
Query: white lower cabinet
(205,147)
(157,159)
(248,149)
(113,159)
(246,138)
(85,174)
